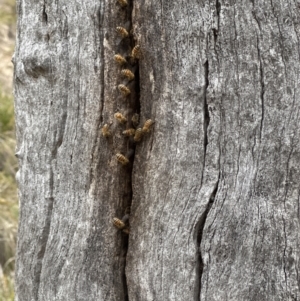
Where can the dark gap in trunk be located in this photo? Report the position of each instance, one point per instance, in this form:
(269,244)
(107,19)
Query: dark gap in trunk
(205,109)
(134,108)
(206,118)
(199,234)
(218,7)
(200,225)
(45,16)
(216,30)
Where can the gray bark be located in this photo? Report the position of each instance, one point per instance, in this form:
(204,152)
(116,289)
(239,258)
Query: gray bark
(213,188)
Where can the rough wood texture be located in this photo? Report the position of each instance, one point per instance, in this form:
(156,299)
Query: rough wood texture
(250,242)
(71,185)
(171,187)
(214,189)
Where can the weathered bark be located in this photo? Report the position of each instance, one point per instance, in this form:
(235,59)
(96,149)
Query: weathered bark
(70,183)
(214,189)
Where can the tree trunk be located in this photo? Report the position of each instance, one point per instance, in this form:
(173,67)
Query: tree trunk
(213,188)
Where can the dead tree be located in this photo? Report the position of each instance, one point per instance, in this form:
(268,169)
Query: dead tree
(212,188)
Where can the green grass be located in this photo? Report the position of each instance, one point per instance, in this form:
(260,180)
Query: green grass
(8,12)
(8,198)
(6,288)
(8,164)
(6,114)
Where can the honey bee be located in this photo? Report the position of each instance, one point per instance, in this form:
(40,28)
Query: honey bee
(105,130)
(147,124)
(122,32)
(120,59)
(123,3)
(120,117)
(126,231)
(127,73)
(135,119)
(129,132)
(124,90)
(118,223)
(138,135)
(136,52)
(122,159)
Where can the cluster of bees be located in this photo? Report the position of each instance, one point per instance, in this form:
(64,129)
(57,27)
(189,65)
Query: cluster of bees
(133,132)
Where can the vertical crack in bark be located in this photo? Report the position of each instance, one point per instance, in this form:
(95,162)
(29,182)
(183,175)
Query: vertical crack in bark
(201,222)
(125,239)
(205,116)
(216,30)
(199,234)
(131,152)
(284,252)
(262,91)
(43,240)
(218,7)
(205,108)
(262,83)
(135,107)
(45,16)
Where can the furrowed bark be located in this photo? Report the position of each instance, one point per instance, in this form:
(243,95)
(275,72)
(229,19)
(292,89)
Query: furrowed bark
(246,251)
(176,168)
(213,188)
(251,240)
(71,185)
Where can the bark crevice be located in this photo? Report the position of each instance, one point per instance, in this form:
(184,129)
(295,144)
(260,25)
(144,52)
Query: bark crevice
(205,109)
(218,10)
(206,118)
(262,85)
(45,16)
(261,70)
(43,243)
(284,252)
(201,222)
(199,233)
(131,150)
(125,240)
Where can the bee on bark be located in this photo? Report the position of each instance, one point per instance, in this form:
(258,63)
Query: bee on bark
(122,159)
(120,59)
(123,3)
(124,90)
(118,223)
(138,135)
(127,73)
(147,125)
(136,52)
(126,231)
(129,132)
(120,117)
(122,224)
(121,31)
(135,119)
(105,130)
